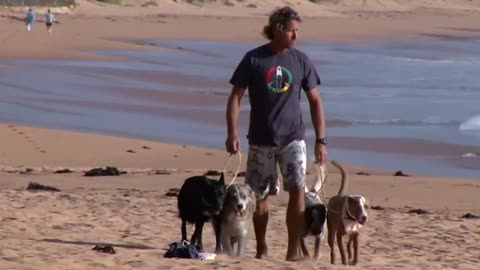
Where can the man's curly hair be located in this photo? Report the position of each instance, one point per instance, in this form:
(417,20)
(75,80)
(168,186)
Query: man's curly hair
(279,20)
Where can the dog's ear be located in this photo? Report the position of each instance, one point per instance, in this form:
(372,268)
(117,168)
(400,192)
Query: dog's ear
(222,179)
(253,194)
(366,205)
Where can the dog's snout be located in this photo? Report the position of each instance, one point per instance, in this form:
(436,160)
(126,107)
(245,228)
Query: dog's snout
(240,206)
(362,220)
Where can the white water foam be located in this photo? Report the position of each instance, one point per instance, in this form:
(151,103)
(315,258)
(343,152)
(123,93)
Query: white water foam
(472,124)
(470,155)
(401,122)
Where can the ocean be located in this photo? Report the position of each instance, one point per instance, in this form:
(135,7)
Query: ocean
(410,105)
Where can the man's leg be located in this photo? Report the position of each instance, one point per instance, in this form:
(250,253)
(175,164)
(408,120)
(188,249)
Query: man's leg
(292,161)
(260,172)
(260,222)
(295,212)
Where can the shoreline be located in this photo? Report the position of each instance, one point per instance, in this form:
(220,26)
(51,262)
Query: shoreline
(32,155)
(452,154)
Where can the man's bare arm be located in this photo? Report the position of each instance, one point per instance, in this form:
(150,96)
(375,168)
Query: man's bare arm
(233,110)
(317,113)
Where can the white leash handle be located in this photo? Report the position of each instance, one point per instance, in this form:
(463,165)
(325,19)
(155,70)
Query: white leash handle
(238,167)
(321,179)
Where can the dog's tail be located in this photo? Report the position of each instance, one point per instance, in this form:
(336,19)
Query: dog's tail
(343,172)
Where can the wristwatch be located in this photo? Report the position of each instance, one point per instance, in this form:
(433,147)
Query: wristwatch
(321,141)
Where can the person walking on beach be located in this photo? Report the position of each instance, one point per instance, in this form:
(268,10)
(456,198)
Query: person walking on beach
(30,19)
(49,20)
(275,74)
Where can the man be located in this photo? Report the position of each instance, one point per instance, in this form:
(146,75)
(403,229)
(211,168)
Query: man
(274,74)
(49,20)
(30,19)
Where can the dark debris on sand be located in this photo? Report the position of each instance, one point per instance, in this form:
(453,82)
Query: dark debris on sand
(419,211)
(363,173)
(64,171)
(162,172)
(104,248)
(212,173)
(27,171)
(173,192)
(108,171)
(32,186)
(471,216)
(377,207)
(400,173)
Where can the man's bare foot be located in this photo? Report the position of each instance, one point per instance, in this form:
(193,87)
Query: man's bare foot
(261,251)
(294,254)
(295,258)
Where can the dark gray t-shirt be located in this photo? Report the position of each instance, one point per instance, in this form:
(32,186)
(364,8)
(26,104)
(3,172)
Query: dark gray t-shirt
(274,83)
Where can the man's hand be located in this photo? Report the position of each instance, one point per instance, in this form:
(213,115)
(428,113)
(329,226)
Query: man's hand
(232,145)
(320,152)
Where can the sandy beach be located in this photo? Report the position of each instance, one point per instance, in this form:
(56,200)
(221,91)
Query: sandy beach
(133,213)
(94,26)
(57,230)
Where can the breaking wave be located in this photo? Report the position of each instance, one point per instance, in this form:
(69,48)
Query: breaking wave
(472,124)
(403,122)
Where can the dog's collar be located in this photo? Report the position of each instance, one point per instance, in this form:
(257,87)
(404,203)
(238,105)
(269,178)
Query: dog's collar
(350,216)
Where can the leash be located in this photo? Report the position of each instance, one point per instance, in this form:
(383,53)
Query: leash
(346,211)
(319,166)
(238,167)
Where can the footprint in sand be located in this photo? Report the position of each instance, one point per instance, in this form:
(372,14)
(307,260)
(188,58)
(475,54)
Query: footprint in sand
(39,149)
(136,264)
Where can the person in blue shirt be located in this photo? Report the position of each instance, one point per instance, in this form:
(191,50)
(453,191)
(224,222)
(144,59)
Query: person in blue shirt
(30,19)
(276,75)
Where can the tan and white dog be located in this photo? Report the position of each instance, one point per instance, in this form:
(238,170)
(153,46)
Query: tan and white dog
(346,215)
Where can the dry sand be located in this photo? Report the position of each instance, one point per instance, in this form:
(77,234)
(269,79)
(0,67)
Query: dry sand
(47,230)
(57,230)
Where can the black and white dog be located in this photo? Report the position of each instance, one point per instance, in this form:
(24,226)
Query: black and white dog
(316,211)
(315,222)
(200,199)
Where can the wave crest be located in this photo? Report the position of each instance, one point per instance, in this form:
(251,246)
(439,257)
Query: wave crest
(471,124)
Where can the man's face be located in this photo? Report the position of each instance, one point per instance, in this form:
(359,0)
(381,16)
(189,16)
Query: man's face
(289,34)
